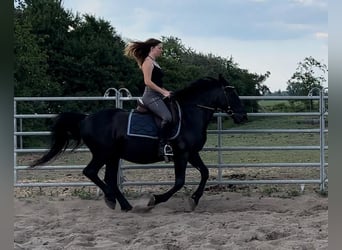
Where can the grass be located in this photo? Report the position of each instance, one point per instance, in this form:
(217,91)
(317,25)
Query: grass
(267,139)
(83,193)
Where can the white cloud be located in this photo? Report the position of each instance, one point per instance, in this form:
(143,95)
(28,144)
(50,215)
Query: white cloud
(321,35)
(315,3)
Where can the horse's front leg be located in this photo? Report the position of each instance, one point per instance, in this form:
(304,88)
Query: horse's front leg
(111,179)
(180,163)
(196,161)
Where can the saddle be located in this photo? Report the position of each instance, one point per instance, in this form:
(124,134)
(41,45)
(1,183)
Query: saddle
(143,123)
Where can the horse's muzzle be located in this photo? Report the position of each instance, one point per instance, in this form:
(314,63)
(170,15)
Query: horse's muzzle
(240,118)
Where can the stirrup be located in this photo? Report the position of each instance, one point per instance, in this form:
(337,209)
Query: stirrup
(168,150)
(168,153)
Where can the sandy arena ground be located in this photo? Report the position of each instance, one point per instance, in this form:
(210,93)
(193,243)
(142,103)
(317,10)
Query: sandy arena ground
(222,220)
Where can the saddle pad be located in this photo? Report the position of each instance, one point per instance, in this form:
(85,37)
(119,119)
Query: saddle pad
(144,125)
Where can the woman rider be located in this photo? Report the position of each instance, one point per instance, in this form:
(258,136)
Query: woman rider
(145,54)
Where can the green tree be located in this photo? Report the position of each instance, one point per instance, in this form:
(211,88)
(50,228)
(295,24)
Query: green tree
(30,62)
(78,56)
(95,60)
(50,24)
(309,74)
(31,76)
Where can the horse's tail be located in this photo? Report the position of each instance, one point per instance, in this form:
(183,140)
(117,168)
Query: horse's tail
(65,128)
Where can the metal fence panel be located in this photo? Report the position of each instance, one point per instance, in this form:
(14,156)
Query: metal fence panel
(123,95)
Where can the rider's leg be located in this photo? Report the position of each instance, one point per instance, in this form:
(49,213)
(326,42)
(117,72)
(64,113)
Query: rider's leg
(154,101)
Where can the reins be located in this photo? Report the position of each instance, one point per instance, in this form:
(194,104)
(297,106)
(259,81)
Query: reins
(206,107)
(228,111)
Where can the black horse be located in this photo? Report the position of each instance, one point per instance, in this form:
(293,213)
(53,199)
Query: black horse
(105,134)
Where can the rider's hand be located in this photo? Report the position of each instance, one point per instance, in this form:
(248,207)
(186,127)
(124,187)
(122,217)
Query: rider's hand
(166,93)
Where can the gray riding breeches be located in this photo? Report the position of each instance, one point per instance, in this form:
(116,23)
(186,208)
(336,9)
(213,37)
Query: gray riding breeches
(154,101)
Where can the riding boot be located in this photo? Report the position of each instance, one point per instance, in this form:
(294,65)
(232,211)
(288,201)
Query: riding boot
(164,148)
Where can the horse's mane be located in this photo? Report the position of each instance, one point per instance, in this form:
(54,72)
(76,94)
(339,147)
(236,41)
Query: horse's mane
(201,85)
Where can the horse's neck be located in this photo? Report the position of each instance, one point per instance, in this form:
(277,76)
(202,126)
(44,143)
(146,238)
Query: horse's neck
(197,116)
(199,108)
(199,99)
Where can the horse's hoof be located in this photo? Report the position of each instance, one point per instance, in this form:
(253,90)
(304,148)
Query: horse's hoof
(152,202)
(126,209)
(192,204)
(141,209)
(109,203)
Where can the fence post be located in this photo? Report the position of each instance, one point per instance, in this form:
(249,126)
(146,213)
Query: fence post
(219,144)
(118,104)
(322,139)
(15,142)
(321,135)
(121,92)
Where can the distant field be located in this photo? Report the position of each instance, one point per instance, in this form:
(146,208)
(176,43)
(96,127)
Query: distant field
(271,103)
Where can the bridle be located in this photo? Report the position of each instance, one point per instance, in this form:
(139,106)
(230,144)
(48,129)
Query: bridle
(229,110)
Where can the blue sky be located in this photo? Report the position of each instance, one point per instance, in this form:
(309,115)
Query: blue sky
(260,35)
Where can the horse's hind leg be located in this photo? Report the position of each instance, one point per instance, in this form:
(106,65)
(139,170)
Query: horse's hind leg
(111,177)
(91,171)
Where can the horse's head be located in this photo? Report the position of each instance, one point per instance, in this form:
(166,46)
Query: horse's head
(232,104)
(213,94)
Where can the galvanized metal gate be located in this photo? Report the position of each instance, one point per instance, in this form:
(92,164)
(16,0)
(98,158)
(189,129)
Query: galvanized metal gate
(123,95)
